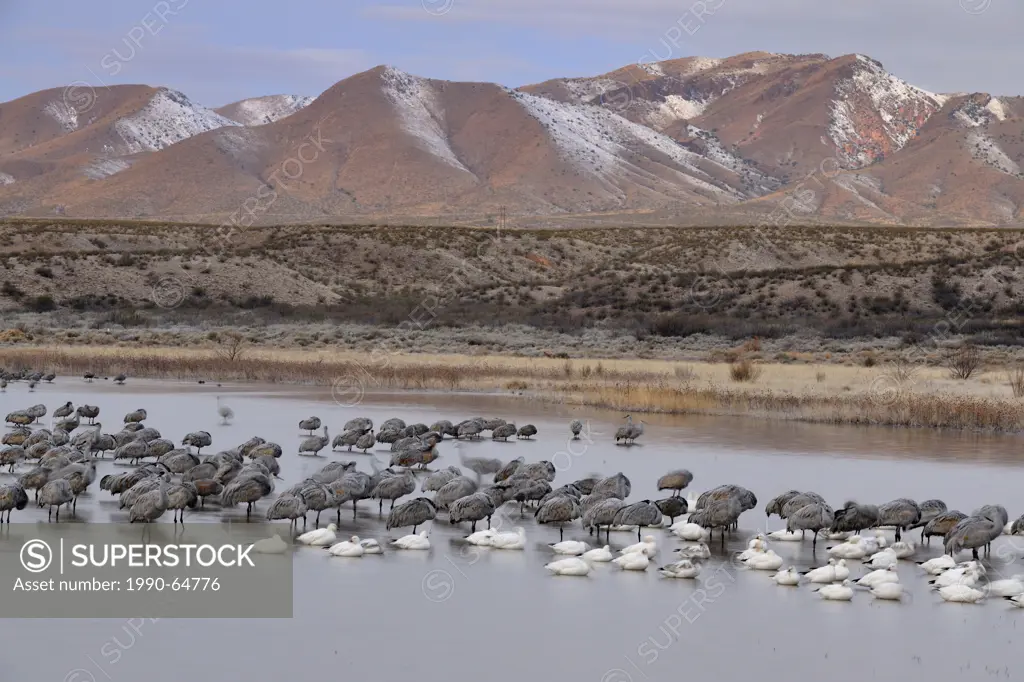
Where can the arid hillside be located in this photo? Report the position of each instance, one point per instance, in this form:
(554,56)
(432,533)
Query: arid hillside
(733,282)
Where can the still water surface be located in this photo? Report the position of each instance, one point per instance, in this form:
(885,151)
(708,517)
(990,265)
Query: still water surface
(458,612)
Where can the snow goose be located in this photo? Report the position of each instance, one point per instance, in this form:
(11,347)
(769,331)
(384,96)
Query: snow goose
(570,566)
(321,537)
(599,554)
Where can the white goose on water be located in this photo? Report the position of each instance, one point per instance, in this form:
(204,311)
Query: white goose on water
(571,566)
(514,540)
(766,561)
(879,576)
(836,591)
(648,543)
(686,569)
(961,594)
(1009,587)
(938,565)
(599,554)
(788,577)
(348,548)
(371,546)
(633,561)
(482,538)
(570,547)
(834,571)
(690,532)
(321,537)
(786,536)
(882,559)
(415,542)
(888,591)
(701,551)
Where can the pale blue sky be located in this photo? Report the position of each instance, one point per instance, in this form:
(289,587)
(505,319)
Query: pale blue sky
(218,51)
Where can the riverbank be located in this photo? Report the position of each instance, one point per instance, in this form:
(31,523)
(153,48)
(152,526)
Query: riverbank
(882,394)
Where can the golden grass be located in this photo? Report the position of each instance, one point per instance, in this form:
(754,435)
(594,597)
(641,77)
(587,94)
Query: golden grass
(843,395)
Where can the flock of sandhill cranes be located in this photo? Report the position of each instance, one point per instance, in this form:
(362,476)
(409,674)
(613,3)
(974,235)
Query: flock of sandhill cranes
(62,460)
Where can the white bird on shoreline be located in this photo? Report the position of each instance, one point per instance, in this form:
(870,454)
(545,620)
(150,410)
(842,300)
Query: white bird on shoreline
(788,577)
(570,547)
(599,554)
(321,537)
(836,591)
(481,538)
(571,566)
(415,542)
(271,545)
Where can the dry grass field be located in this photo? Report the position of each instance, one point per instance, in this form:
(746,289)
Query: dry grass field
(884,394)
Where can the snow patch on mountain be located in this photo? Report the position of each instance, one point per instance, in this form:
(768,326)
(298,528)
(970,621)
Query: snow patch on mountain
(990,153)
(104,168)
(698,64)
(872,96)
(169,117)
(972,114)
(654,69)
(584,90)
(262,110)
(996,108)
(63,114)
(674,108)
(421,113)
(598,141)
(754,181)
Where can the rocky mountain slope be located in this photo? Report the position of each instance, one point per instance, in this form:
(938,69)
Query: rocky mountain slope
(755,138)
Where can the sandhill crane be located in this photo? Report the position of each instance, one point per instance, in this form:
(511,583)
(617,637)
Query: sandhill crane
(474,507)
(561,509)
(314,444)
(120,379)
(526,432)
(576,427)
(198,440)
(12,496)
(412,513)
(54,494)
(675,481)
(310,425)
(291,507)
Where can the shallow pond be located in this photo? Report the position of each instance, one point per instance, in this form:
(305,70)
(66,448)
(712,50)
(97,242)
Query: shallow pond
(456,611)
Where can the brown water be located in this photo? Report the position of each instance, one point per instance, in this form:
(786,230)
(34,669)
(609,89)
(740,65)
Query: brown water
(458,612)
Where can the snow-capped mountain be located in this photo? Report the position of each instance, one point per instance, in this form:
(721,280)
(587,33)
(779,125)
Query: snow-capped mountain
(682,139)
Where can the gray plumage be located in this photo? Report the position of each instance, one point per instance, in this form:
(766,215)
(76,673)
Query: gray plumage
(800,501)
(902,513)
(265,450)
(366,441)
(675,480)
(12,496)
(150,506)
(942,524)
(528,431)
(542,470)
(315,444)
(929,510)
(20,417)
(436,480)
(64,410)
(560,509)
(148,484)
(481,466)
(16,437)
(503,432)
(37,411)
(180,461)
(393,424)
(310,425)
(333,471)
(469,429)
(361,424)
(11,456)
(719,513)
(182,496)
(316,497)
(248,489)
(576,427)
(526,489)
(474,507)
(999,517)
(271,464)
(35,479)
(118,483)
(208,488)
(458,487)
(352,487)
(412,513)
(120,379)
(348,438)
(445,428)
(813,517)
(389,436)
(89,412)
(491,424)
(135,416)
(672,507)
(133,451)
(291,507)
(617,485)
(132,427)
(970,533)
(854,517)
(393,488)
(640,514)
(198,440)
(147,434)
(159,447)
(54,494)
(775,505)
(415,430)
(601,513)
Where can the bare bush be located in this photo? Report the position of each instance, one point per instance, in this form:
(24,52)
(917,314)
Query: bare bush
(902,369)
(232,346)
(744,370)
(1015,378)
(963,362)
